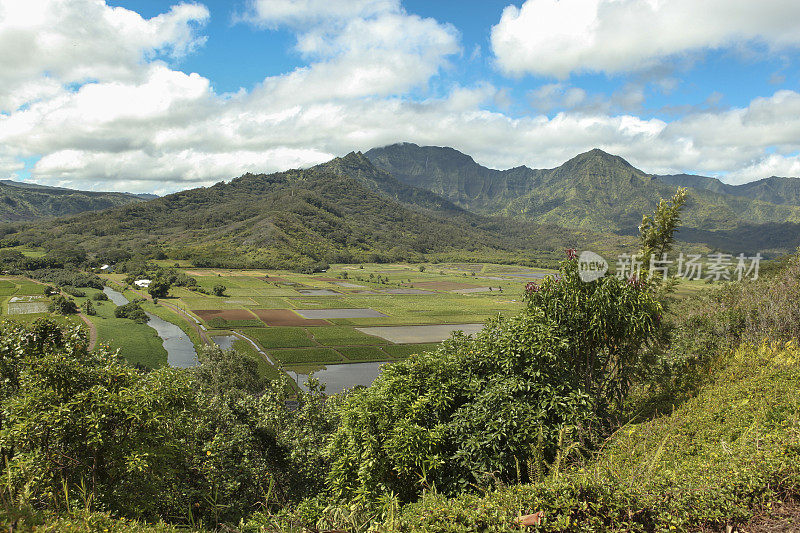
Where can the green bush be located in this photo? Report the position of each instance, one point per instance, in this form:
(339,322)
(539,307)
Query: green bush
(62,305)
(133,311)
(81,428)
(730,452)
(496,406)
(73,291)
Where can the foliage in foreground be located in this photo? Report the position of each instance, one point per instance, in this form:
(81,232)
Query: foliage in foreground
(496,406)
(81,429)
(733,449)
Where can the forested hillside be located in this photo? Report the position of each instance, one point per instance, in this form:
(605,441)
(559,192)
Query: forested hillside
(300,218)
(595,190)
(22,201)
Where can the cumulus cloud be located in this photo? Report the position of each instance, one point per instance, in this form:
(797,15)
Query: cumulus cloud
(355,48)
(48,43)
(139,125)
(273,13)
(558,37)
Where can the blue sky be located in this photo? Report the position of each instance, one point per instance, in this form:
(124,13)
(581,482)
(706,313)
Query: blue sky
(147,95)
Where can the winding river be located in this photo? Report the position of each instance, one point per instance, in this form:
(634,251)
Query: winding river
(179,347)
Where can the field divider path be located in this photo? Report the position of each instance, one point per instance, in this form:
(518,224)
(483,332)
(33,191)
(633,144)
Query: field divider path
(92,331)
(256,346)
(86,320)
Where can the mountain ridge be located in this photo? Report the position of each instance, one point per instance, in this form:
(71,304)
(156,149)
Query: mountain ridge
(593,189)
(21,201)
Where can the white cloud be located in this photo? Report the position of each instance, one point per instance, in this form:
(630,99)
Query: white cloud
(48,43)
(555,95)
(142,126)
(771,165)
(273,13)
(558,37)
(140,171)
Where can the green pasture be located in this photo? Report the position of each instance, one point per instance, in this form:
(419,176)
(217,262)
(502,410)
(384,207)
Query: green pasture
(362,353)
(342,336)
(137,343)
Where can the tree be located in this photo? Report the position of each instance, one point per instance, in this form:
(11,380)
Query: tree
(133,311)
(500,404)
(657,231)
(159,288)
(219,290)
(88,308)
(79,424)
(62,305)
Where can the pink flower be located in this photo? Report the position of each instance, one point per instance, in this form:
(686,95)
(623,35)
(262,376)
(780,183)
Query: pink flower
(571,253)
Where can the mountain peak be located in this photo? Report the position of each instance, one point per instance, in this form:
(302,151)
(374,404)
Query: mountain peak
(595,157)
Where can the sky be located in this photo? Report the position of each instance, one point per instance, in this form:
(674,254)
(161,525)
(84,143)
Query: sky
(156,96)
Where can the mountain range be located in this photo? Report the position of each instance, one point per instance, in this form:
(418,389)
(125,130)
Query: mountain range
(593,190)
(407,202)
(346,210)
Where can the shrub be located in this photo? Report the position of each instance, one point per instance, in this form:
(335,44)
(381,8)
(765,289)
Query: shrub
(80,428)
(496,405)
(133,311)
(219,290)
(712,463)
(159,288)
(73,291)
(62,305)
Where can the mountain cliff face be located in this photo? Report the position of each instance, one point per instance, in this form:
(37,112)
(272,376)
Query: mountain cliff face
(594,190)
(774,190)
(24,201)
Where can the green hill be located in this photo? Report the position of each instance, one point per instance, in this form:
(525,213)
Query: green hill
(24,201)
(344,210)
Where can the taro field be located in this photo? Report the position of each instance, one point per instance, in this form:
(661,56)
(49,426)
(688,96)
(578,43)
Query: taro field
(356,315)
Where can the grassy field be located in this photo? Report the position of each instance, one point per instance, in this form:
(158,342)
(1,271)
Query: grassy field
(306,355)
(13,286)
(455,293)
(137,343)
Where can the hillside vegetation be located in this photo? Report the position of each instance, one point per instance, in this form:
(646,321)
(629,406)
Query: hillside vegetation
(21,201)
(602,406)
(342,211)
(601,191)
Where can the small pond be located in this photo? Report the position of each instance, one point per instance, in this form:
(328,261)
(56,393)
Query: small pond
(340,377)
(179,347)
(225,342)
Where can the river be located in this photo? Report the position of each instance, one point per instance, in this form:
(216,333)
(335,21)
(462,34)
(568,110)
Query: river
(179,347)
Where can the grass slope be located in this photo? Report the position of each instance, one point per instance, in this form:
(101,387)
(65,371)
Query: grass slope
(731,451)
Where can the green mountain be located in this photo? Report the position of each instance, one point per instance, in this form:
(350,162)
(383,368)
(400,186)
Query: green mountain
(594,190)
(344,210)
(775,190)
(27,201)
